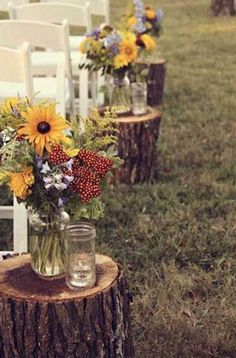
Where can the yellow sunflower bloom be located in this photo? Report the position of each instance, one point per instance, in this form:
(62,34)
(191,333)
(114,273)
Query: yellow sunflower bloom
(43,127)
(132,21)
(120,61)
(148,41)
(128,52)
(20,182)
(150,14)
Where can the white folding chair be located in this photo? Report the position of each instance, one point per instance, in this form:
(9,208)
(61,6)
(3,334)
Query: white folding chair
(52,89)
(4,4)
(44,35)
(56,13)
(15,67)
(16,79)
(97,8)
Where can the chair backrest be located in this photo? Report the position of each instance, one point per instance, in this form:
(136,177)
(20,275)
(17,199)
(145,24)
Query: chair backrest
(97,7)
(4,4)
(16,67)
(39,34)
(53,13)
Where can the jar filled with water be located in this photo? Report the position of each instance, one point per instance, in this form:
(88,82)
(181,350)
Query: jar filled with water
(80,269)
(139,98)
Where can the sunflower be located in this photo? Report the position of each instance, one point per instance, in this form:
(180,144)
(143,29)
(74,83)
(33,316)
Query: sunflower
(128,50)
(20,183)
(120,61)
(43,127)
(148,42)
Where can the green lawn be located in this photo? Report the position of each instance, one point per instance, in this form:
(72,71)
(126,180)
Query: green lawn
(176,238)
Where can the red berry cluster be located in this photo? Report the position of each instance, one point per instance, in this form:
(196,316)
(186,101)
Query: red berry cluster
(87,169)
(57,155)
(94,161)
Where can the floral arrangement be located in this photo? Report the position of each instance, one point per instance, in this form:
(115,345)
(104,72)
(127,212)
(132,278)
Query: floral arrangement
(49,163)
(144,20)
(113,50)
(56,169)
(146,24)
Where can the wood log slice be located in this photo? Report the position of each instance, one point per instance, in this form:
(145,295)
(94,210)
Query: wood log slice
(41,318)
(137,145)
(223,7)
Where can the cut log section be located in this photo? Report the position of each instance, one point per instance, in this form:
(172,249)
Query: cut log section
(41,318)
(155,81)
(137,145)
(223,7)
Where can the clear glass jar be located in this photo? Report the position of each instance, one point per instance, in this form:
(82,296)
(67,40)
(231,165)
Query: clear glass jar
(80,255)
(139,98)
(47,243)
(120,97)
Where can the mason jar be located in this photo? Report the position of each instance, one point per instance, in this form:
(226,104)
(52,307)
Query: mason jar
(80,268)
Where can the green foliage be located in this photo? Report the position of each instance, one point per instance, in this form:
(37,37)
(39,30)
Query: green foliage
(98,131)
(16,155)
(94,209)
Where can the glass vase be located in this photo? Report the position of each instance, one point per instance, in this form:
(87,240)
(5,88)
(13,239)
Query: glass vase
(80,255)
(120,96)
(47,243)
(139,98)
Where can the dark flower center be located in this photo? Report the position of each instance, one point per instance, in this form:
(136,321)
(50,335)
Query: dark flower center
(44,127)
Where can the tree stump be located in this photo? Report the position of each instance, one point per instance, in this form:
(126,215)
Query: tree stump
(137,145)
(155,80)
(222,7)
(41,318)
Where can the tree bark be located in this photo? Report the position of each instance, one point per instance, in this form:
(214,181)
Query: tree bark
(44,319)
(222,7)
(137,145)
(155,80)
(155,83)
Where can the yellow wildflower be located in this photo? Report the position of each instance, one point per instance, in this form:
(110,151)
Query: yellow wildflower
(82,47)
(20,182)
(69,147)
(148,41)
(128,36)
(132,21)
(150,14)
(7,105)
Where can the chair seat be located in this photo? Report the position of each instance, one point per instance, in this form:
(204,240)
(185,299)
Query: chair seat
(75,41)
(46,61)
(44,88)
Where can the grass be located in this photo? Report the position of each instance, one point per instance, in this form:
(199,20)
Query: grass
(176,238)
